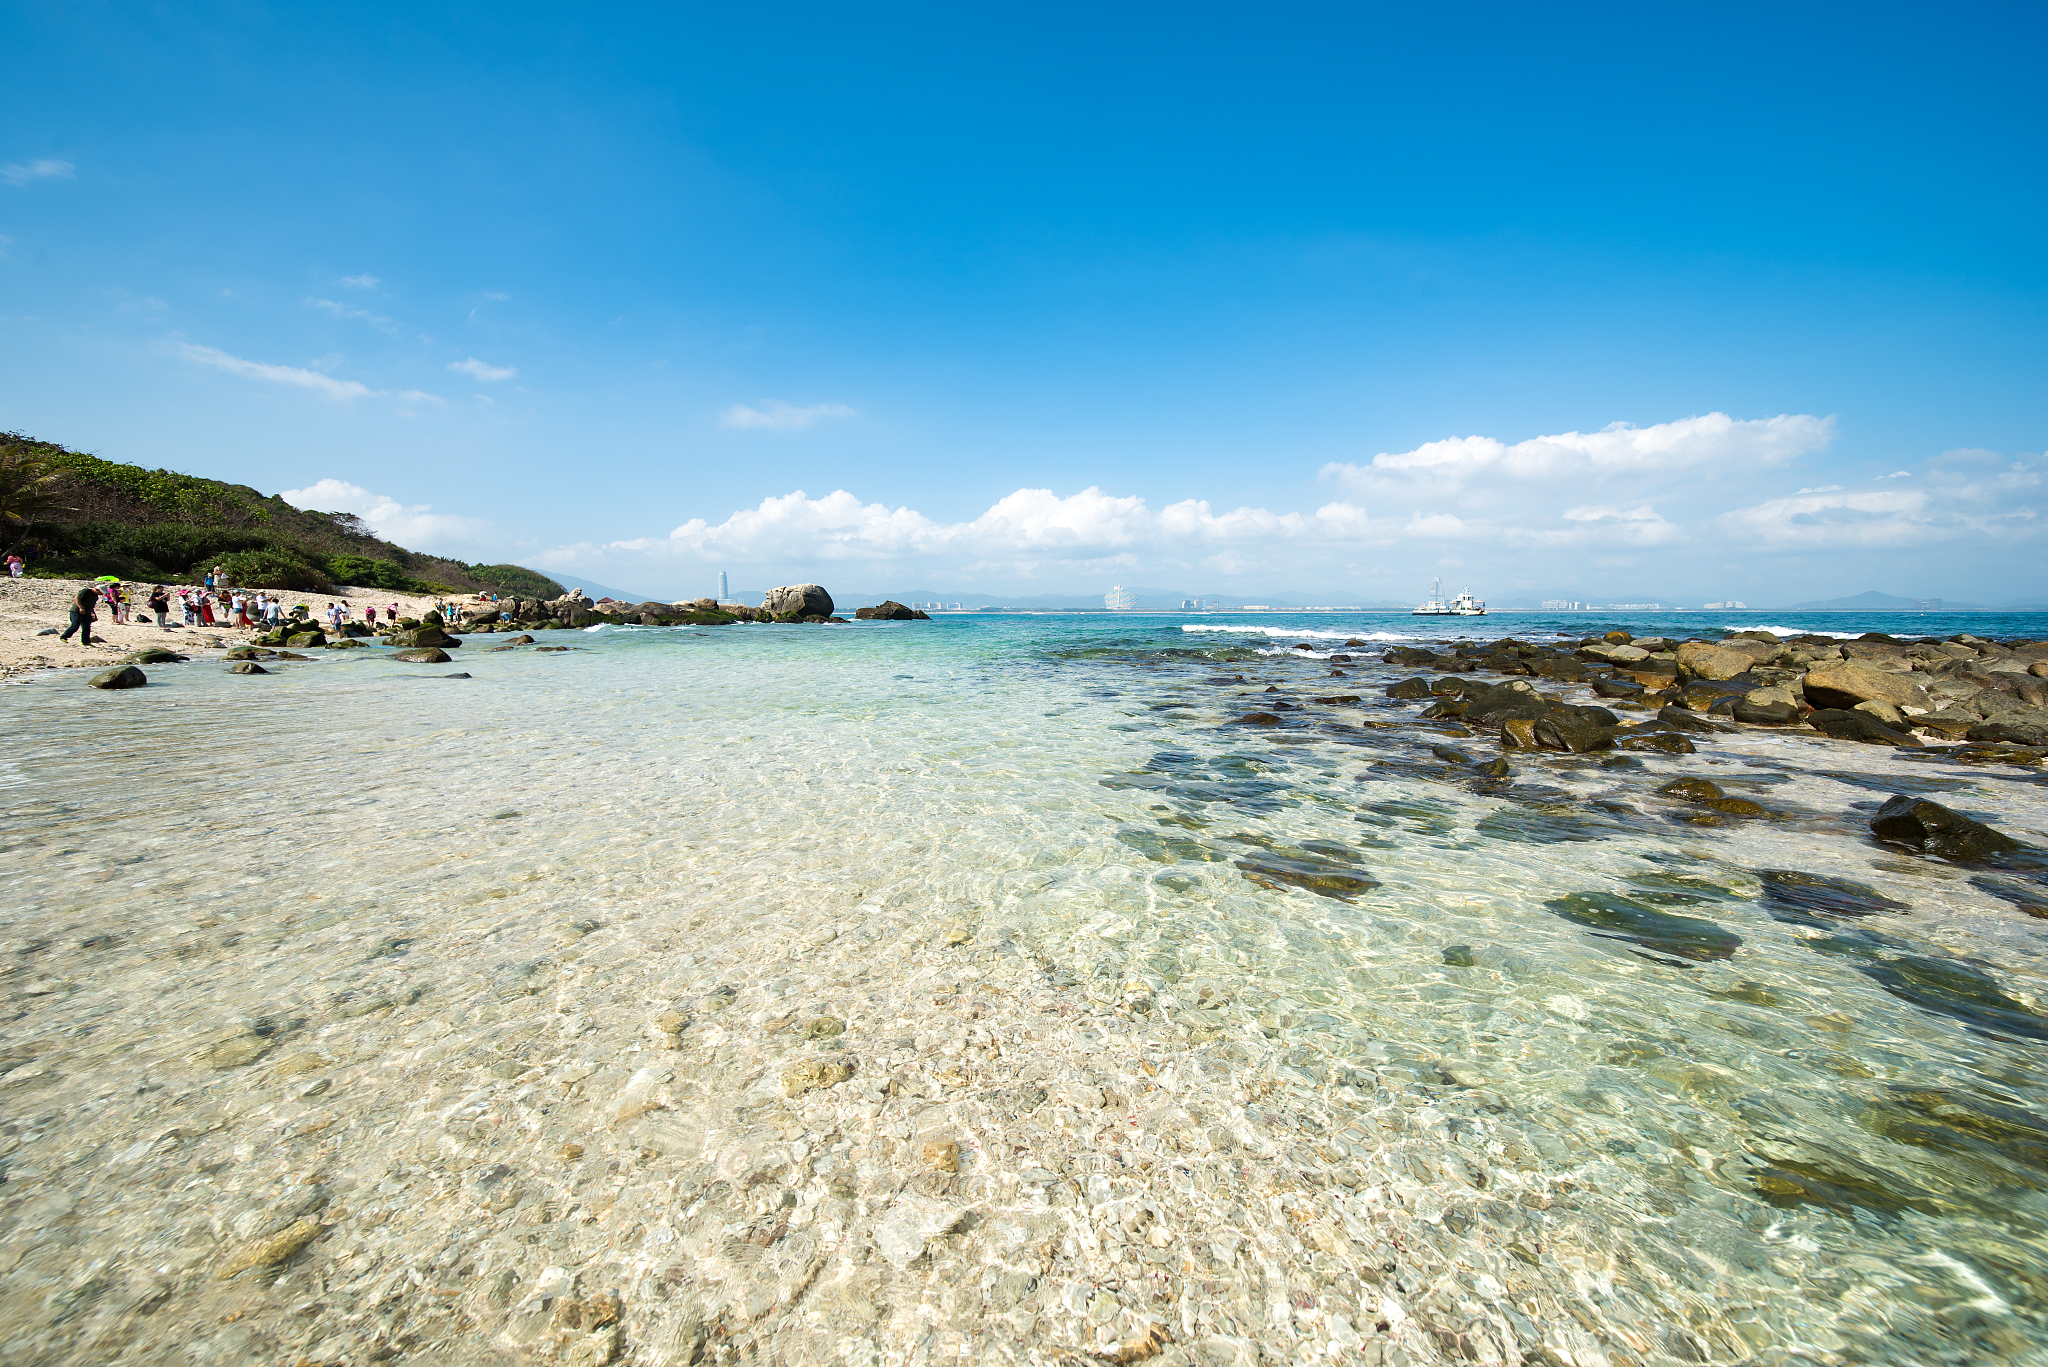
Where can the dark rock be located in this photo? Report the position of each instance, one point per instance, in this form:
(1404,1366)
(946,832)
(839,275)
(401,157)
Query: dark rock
(2007,728)
(1679,719)
(306,638)
(1444,707)
(887,611)
(1339,700)
(1258,719)
(157,655)
(247,667)
(1934,829)
(425,656)
(1617,688)
(1665,742)
(1562,667)
(1765,713)
(242,653)
(1709,794)
(345,644)
(1799,893)
(1410,688)
(1614,917)
(1577,734)
(127,676)
(1858,726)
(520,640)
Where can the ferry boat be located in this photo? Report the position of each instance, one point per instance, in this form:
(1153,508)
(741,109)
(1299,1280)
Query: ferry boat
(1464,605)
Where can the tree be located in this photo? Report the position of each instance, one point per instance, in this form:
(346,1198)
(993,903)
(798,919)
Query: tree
(28,487)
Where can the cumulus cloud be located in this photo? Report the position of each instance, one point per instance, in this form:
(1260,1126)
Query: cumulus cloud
(780,416)
(482,370)
(43,168)
(415,526)
(325,385)
(359,282)
(1617,450)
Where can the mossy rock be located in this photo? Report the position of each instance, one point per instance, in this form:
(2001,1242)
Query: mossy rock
(154,655)
(425,655)
(345,643)
(247,667)
(306,638)
(127,676)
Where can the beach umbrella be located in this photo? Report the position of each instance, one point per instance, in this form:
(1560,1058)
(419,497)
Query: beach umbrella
(108,579)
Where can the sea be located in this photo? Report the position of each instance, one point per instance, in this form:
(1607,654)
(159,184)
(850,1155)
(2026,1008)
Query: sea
(1811,1068)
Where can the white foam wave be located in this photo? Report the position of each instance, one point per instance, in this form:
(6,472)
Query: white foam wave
(1805,631)
(1300,634)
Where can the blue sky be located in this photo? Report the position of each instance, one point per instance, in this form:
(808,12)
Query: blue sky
(1201,298)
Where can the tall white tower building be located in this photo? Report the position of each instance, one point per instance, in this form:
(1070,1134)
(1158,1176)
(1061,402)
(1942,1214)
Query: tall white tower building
(724,593)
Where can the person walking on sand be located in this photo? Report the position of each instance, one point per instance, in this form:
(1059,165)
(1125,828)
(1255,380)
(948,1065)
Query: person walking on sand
(161,606)
(14,564)
(83,604)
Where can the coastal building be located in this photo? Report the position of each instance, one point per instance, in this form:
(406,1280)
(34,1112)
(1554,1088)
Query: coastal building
(1927,605)
(724,590)
(1562,605)
(1119,599)
(1731,603)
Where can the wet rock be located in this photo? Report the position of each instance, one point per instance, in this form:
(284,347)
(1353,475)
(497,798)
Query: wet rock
(522,639)
(429,656)
(812,1074)
(302,640)
(1766,713)
(888,610)
(1621,653)
(1560,667)
(1934,829)
(1258,719)
(1410,689)
(273,1250)
(1680,719)
(1618,688)
(247,667)
(1709,794)
(942,1155)
(127,676)
(1843,685)
(1792,890)
(1615,917)
(1857,726)
(157,655)
(1576,734)
(2009,728)
(1663,742)
(825,1027)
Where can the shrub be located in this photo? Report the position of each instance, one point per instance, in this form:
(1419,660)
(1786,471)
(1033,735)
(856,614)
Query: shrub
(365,572)
(165,544)
(270,568)
(517,580)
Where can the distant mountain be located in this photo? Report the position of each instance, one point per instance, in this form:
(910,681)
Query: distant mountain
(1874,601)
(2026,605)
(596,590)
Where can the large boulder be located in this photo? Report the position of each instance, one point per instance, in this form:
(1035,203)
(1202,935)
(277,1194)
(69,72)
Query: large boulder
(2021,728)
(888,610)
(426,655)
(797,601)
(1844,684)
(1614,654)
(1934,829)
(1710,660)
(1842,724)
(127,676)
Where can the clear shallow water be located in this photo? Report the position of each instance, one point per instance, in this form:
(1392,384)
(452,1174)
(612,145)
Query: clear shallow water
(1621,1089)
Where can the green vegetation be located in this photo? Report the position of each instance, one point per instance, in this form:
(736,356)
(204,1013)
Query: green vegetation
(76,516)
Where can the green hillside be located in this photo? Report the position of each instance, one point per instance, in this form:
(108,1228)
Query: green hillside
(76,516)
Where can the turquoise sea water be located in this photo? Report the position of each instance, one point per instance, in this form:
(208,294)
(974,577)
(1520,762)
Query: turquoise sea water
(1795,1075)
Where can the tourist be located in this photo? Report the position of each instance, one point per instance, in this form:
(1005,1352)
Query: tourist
(14,566)
(82,604)
(125,607)
(370,616)
(161,606)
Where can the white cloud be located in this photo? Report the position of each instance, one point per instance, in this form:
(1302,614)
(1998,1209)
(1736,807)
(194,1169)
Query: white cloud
(359,282)
(416,527)
(325,385)
(43,168)
(482,370)
(1898,474)
(1615,450)
(1955,502)
(781,416)
(340,310)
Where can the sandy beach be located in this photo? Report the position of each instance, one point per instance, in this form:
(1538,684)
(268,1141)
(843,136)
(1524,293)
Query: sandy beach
(28,607)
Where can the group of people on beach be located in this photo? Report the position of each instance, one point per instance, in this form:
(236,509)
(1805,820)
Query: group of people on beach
(209,606)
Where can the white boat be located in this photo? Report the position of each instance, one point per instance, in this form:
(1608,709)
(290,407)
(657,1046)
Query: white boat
(1464,605)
